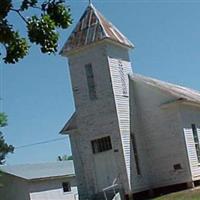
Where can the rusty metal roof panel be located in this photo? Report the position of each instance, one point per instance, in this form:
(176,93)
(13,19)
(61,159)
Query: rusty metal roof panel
(112,32)
(91,28)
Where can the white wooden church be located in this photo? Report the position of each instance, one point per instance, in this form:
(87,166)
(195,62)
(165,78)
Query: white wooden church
(128,130)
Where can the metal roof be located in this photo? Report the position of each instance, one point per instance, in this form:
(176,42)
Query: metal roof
(91,28)
(177,91)
(41,170)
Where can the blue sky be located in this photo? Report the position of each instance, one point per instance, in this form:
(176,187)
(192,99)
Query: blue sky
(37,93)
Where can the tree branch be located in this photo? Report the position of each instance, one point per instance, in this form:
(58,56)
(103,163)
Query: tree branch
(19,13)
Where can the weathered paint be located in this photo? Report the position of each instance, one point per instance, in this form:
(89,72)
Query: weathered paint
(160,138)
(93,27)
(191,115)
(40,189)
(52,189)
(13,188)
(150,111)
(120,67)
(98,118)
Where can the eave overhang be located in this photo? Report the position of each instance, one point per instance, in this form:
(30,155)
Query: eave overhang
(70,125)
(180,101)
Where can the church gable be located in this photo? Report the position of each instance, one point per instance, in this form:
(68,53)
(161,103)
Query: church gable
(93,27)
(176,91)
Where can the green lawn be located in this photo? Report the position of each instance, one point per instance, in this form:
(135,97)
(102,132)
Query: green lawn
(183,195)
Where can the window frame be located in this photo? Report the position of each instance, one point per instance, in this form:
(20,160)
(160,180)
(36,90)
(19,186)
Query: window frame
(101,144)
(135,152)
(90,81)
(196,141)
(66,186)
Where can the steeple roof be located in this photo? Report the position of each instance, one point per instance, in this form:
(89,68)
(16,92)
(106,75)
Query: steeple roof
(93,27)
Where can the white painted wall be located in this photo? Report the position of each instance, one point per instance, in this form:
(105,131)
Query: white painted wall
(191,115)
(14,188)
(96,119)
(138,182)
(51,189)
(160,139)
(118,56)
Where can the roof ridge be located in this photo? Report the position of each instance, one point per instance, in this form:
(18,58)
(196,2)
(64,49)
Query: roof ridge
(135,75)
(40,163)
(99,15)
(40,170)
(176,90)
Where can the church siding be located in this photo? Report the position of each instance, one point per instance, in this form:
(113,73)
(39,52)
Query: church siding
(152,145)
(139,182)
(162,136)
(191,115)
(79,164)
(95,119)
(120,67)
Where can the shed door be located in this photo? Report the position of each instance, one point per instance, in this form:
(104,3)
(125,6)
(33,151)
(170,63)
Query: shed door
(106,169)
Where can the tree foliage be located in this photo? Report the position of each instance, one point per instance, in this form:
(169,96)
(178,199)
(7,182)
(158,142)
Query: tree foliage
(41,28)
(4,147)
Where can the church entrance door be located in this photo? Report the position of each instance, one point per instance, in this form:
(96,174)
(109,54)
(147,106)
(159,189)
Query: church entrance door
(105,168)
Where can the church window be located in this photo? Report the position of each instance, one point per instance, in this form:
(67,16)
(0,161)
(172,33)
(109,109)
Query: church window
(90,81)
(177,166)
(196,141)
(123,78)
(101,144)
(66,187)
(135,152)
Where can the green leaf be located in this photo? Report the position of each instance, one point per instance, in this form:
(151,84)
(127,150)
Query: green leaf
(42,31)
(4,149)
(3,119)
(6,32)
(16,49)
(28,3)
(59,14)
(5,6)
(41,28)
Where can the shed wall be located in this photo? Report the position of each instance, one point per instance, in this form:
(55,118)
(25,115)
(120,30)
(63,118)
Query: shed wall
(13,188)
(52,189)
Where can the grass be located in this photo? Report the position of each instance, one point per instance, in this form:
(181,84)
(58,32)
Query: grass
(183,195)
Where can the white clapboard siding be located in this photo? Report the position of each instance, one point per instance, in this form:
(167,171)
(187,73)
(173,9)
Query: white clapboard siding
(198,133)
(191,150)
(119,70)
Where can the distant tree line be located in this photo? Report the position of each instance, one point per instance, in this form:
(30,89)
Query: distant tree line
(4,147)
(64,158)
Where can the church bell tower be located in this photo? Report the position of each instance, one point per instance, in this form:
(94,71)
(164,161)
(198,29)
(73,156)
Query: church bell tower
(99,130)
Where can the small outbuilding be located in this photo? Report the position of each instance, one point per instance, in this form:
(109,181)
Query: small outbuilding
(44,181)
